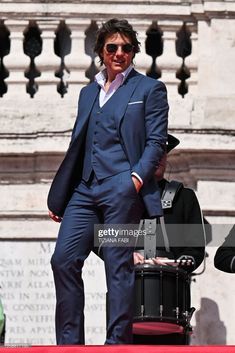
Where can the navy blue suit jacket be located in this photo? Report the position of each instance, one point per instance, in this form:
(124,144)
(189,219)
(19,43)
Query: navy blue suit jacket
(141,116)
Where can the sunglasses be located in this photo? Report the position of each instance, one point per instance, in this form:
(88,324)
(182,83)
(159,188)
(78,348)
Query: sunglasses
(112,48)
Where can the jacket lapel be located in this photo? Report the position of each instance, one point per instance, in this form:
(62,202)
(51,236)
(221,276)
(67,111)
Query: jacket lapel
(85,106)
(124,94)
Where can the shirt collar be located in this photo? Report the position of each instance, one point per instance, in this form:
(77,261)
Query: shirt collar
(101,77)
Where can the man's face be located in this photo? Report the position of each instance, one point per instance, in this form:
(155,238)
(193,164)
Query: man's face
(117,54)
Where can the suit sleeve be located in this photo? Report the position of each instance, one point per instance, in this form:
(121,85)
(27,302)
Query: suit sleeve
(66,177)
(193,230)
(224,259)
(76,121)
(156,122)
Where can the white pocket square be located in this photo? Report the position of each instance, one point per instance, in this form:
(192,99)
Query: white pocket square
(137,102)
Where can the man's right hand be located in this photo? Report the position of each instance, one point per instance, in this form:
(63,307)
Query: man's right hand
(138,258)
(54,217)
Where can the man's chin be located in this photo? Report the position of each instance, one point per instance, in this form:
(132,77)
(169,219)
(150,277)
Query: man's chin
(119,68)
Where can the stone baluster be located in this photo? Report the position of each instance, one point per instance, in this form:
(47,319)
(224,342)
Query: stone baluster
(154,48)
(32,46)
(90,33)
(169,61)
(183,47)
(62,47)
(5,45)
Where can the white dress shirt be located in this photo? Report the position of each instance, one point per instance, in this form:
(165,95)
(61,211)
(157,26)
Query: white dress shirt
(101,79)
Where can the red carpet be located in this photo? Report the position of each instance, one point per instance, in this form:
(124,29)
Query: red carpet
(119,349)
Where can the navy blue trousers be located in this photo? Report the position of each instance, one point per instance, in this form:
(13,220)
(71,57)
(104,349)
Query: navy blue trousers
(113,200)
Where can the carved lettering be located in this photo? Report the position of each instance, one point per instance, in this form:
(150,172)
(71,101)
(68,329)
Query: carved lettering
(39,273)
(16,330)
(40,285)
(95,307)
(28,294)
(4,262)
(10,284)
(11,273)
(46,248)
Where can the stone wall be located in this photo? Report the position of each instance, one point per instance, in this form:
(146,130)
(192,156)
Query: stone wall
(35,133)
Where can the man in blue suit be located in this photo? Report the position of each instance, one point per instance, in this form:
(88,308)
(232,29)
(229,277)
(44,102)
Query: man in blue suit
(107,177)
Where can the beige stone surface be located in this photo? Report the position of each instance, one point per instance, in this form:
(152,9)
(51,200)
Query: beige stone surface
(213,297)
(34,134)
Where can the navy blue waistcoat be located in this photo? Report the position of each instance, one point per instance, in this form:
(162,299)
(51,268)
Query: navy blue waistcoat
(103,151)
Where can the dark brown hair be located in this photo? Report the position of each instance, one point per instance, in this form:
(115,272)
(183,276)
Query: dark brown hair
(115,26)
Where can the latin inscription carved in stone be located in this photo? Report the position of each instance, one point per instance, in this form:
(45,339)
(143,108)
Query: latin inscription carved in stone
(28,295)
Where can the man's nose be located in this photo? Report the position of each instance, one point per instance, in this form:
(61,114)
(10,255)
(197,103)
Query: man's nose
(119,50)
